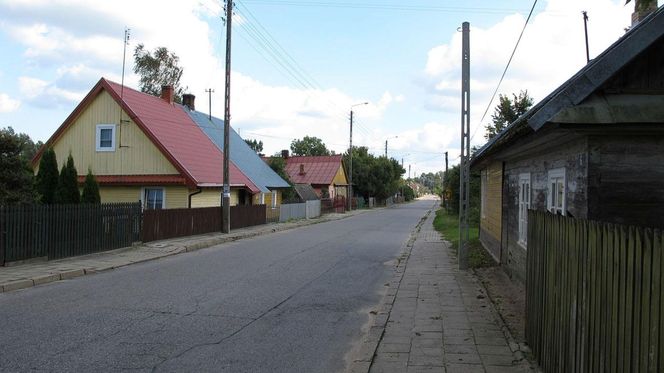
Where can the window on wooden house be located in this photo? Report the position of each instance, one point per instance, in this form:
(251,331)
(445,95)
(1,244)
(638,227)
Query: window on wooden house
(105,138)
(524,206)
(154,198)
(274,199)
(556,199)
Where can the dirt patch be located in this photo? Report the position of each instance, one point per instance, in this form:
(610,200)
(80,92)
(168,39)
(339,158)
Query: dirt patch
(509,298)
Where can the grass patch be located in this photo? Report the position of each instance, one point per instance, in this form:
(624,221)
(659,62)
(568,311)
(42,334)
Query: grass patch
(448,226)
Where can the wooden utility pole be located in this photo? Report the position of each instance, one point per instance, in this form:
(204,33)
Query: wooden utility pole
(226,197)
(444,178)
(464,190)
(350,165)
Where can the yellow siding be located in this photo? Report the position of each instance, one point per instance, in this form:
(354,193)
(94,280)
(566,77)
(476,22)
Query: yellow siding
(119,194)
(492,218)
(177,197)
(137,156)
(340,177)
(267,199)
(207,198)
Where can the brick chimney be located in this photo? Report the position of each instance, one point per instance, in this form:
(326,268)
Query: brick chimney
(167,93)
(188,101)
(302,169)
(284,154)
(642,9)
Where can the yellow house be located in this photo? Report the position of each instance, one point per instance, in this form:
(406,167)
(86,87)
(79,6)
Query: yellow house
(150,149)
(326,174)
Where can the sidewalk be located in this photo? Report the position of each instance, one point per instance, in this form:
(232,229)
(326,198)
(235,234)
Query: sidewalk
(435,318)
(23,276)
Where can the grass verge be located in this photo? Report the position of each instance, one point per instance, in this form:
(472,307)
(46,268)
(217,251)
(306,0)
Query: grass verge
(448,226)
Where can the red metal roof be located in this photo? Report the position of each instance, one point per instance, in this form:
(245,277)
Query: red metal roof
(137,179)
(173,131)
(317,170)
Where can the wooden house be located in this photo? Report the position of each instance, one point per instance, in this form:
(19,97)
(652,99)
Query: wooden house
(326,174)
(592,149)
(151,149)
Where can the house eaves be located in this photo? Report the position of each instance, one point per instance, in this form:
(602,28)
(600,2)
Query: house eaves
(582,85)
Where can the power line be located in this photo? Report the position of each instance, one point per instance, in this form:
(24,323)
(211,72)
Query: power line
(388,7)
(493,96)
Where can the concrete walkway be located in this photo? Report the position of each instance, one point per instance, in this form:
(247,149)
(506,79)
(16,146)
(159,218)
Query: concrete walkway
(436,318)
(26,275)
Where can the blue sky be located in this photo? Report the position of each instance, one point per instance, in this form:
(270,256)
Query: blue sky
(403,59)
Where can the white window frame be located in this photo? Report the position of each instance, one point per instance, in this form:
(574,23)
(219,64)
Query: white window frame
(163,193)
(274,199)
(551,199)
(525,197)
(262,199)
(484,179)
(98,146)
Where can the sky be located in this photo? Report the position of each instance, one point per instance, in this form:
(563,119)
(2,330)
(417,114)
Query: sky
(299,66)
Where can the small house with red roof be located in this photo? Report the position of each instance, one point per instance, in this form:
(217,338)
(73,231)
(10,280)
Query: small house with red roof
(151,149)
(326,174)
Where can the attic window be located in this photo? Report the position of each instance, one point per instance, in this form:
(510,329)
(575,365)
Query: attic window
(105,138)
(302,169)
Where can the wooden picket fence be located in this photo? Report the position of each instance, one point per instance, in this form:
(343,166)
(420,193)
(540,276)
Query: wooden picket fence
(171,223)
(594,295)
(58,231)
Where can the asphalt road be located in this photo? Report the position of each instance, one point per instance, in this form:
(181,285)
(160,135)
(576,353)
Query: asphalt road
(294,301)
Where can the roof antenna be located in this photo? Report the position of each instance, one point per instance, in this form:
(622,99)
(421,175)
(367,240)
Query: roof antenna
(127,34)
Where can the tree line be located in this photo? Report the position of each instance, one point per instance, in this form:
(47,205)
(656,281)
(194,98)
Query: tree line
(19,185)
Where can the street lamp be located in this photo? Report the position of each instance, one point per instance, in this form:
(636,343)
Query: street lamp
(389,138)
(350,158)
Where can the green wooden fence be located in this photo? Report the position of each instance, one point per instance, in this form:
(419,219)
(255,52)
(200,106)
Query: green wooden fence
(594,301)
(58,231)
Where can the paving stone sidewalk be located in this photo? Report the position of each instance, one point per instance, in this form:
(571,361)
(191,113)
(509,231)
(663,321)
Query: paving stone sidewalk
(436,318)
(26,275)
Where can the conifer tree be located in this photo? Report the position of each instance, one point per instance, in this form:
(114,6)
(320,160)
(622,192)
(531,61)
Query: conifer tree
(90,189)
(47,177)
(67,192)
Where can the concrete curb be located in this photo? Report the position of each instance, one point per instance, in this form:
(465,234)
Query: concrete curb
(364,355)
(46,278)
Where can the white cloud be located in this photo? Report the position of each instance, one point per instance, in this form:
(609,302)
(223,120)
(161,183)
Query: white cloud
(7,104)
(41,93)
(551,51)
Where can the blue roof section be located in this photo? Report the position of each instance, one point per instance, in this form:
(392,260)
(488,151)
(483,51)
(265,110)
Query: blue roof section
(241,154)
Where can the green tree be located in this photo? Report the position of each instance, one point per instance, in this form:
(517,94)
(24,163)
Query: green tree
(47,177)
(90,189)
(451,184)
(309,146)
(278,165)
(255,145)
(67,192)
(374,176)
(157,69)
(507,111)
(16,178)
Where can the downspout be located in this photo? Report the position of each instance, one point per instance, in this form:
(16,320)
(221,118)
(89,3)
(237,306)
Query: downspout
(199,191)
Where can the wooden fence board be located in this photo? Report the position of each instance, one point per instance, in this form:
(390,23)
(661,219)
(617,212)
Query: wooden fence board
(594,301)
(653,352)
